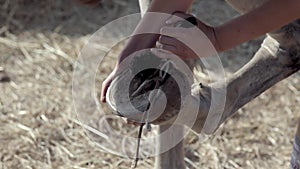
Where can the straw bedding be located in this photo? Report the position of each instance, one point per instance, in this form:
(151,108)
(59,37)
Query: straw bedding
(39,42)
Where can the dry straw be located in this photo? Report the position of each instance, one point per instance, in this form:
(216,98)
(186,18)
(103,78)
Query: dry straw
(39,42)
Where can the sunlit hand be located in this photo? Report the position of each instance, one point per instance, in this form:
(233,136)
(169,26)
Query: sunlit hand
(185,42)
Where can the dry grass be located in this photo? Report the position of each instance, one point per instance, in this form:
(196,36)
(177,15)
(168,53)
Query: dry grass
(39,42)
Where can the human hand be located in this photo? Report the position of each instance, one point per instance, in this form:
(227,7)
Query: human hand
(105,85)
(185,42)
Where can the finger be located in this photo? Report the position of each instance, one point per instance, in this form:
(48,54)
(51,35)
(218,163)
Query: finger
(167,47)
(103,93)
(162,53)
(172,45)
(173,32)
(104,89)
(166,40)
(177,16)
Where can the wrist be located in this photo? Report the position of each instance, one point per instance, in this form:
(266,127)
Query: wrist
(212,34)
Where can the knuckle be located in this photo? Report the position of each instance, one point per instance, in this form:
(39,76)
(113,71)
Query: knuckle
(159,45)
(161,39)
(162,30)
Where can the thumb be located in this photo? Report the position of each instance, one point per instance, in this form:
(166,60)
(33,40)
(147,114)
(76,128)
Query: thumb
(104,89)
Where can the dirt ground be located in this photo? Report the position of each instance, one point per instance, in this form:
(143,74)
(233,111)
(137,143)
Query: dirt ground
(39,44)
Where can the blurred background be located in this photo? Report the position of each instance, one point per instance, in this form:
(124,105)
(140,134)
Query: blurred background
(39,43)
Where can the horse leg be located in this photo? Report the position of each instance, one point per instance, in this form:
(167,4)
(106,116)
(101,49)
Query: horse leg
(277,59)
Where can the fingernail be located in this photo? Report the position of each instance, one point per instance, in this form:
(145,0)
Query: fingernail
(168,22)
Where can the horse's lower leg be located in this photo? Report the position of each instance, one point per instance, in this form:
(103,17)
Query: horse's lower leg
(174,157)
(271,64)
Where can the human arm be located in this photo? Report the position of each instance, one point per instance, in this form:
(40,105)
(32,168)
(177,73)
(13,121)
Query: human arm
(268,17)
(249,26)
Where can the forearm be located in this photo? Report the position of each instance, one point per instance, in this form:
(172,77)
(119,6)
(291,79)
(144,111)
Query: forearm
(153,23)
(270,16)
